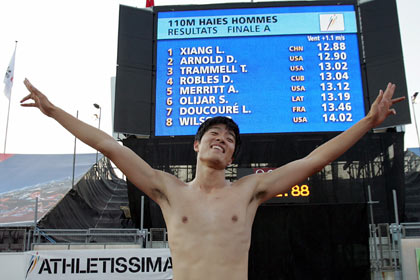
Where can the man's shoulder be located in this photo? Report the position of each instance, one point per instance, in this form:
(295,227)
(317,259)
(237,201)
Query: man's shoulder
(246,181)
(170,179)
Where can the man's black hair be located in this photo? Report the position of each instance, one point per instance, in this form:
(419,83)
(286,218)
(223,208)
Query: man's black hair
(230,125)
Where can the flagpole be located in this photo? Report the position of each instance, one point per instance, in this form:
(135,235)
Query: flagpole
(8,110)
(7,126)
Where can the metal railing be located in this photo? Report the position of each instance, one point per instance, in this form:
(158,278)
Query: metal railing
(384,248)
(13,239)
(20,240)
(385,245)
(409,230)
(89,236)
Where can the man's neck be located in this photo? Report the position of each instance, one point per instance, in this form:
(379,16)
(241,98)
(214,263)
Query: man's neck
(208,178)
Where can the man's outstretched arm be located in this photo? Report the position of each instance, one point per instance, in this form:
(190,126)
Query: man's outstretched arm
(281,179)
(136,169)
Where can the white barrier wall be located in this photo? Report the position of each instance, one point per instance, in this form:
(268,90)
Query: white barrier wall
(122,264)
(12,266)
(409,261)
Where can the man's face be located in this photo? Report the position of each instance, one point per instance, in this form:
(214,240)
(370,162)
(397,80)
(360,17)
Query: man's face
(216,146)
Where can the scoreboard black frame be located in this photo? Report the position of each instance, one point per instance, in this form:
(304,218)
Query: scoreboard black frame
(274,67)
(255,79)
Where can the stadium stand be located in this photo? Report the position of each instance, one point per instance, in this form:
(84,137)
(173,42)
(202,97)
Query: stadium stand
(92,207)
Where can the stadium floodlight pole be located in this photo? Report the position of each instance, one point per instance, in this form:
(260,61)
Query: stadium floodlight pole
(35,219)
(413,101)
(74,155)
(99,126)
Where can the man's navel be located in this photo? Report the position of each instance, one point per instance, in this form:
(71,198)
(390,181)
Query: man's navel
(185,219)
(234,218)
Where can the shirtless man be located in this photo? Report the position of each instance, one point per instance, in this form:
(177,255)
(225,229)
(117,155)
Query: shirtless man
(209,219)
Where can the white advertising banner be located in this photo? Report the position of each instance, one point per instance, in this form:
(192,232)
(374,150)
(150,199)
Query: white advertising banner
(124,264)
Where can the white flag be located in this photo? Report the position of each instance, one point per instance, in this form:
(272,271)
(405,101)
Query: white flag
(8,77)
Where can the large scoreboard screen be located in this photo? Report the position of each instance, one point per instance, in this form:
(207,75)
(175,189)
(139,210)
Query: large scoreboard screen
(271,69)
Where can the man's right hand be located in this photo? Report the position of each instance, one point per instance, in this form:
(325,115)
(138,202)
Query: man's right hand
(40,101)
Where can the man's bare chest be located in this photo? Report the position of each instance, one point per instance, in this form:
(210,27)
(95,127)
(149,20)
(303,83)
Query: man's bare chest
(210,211)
